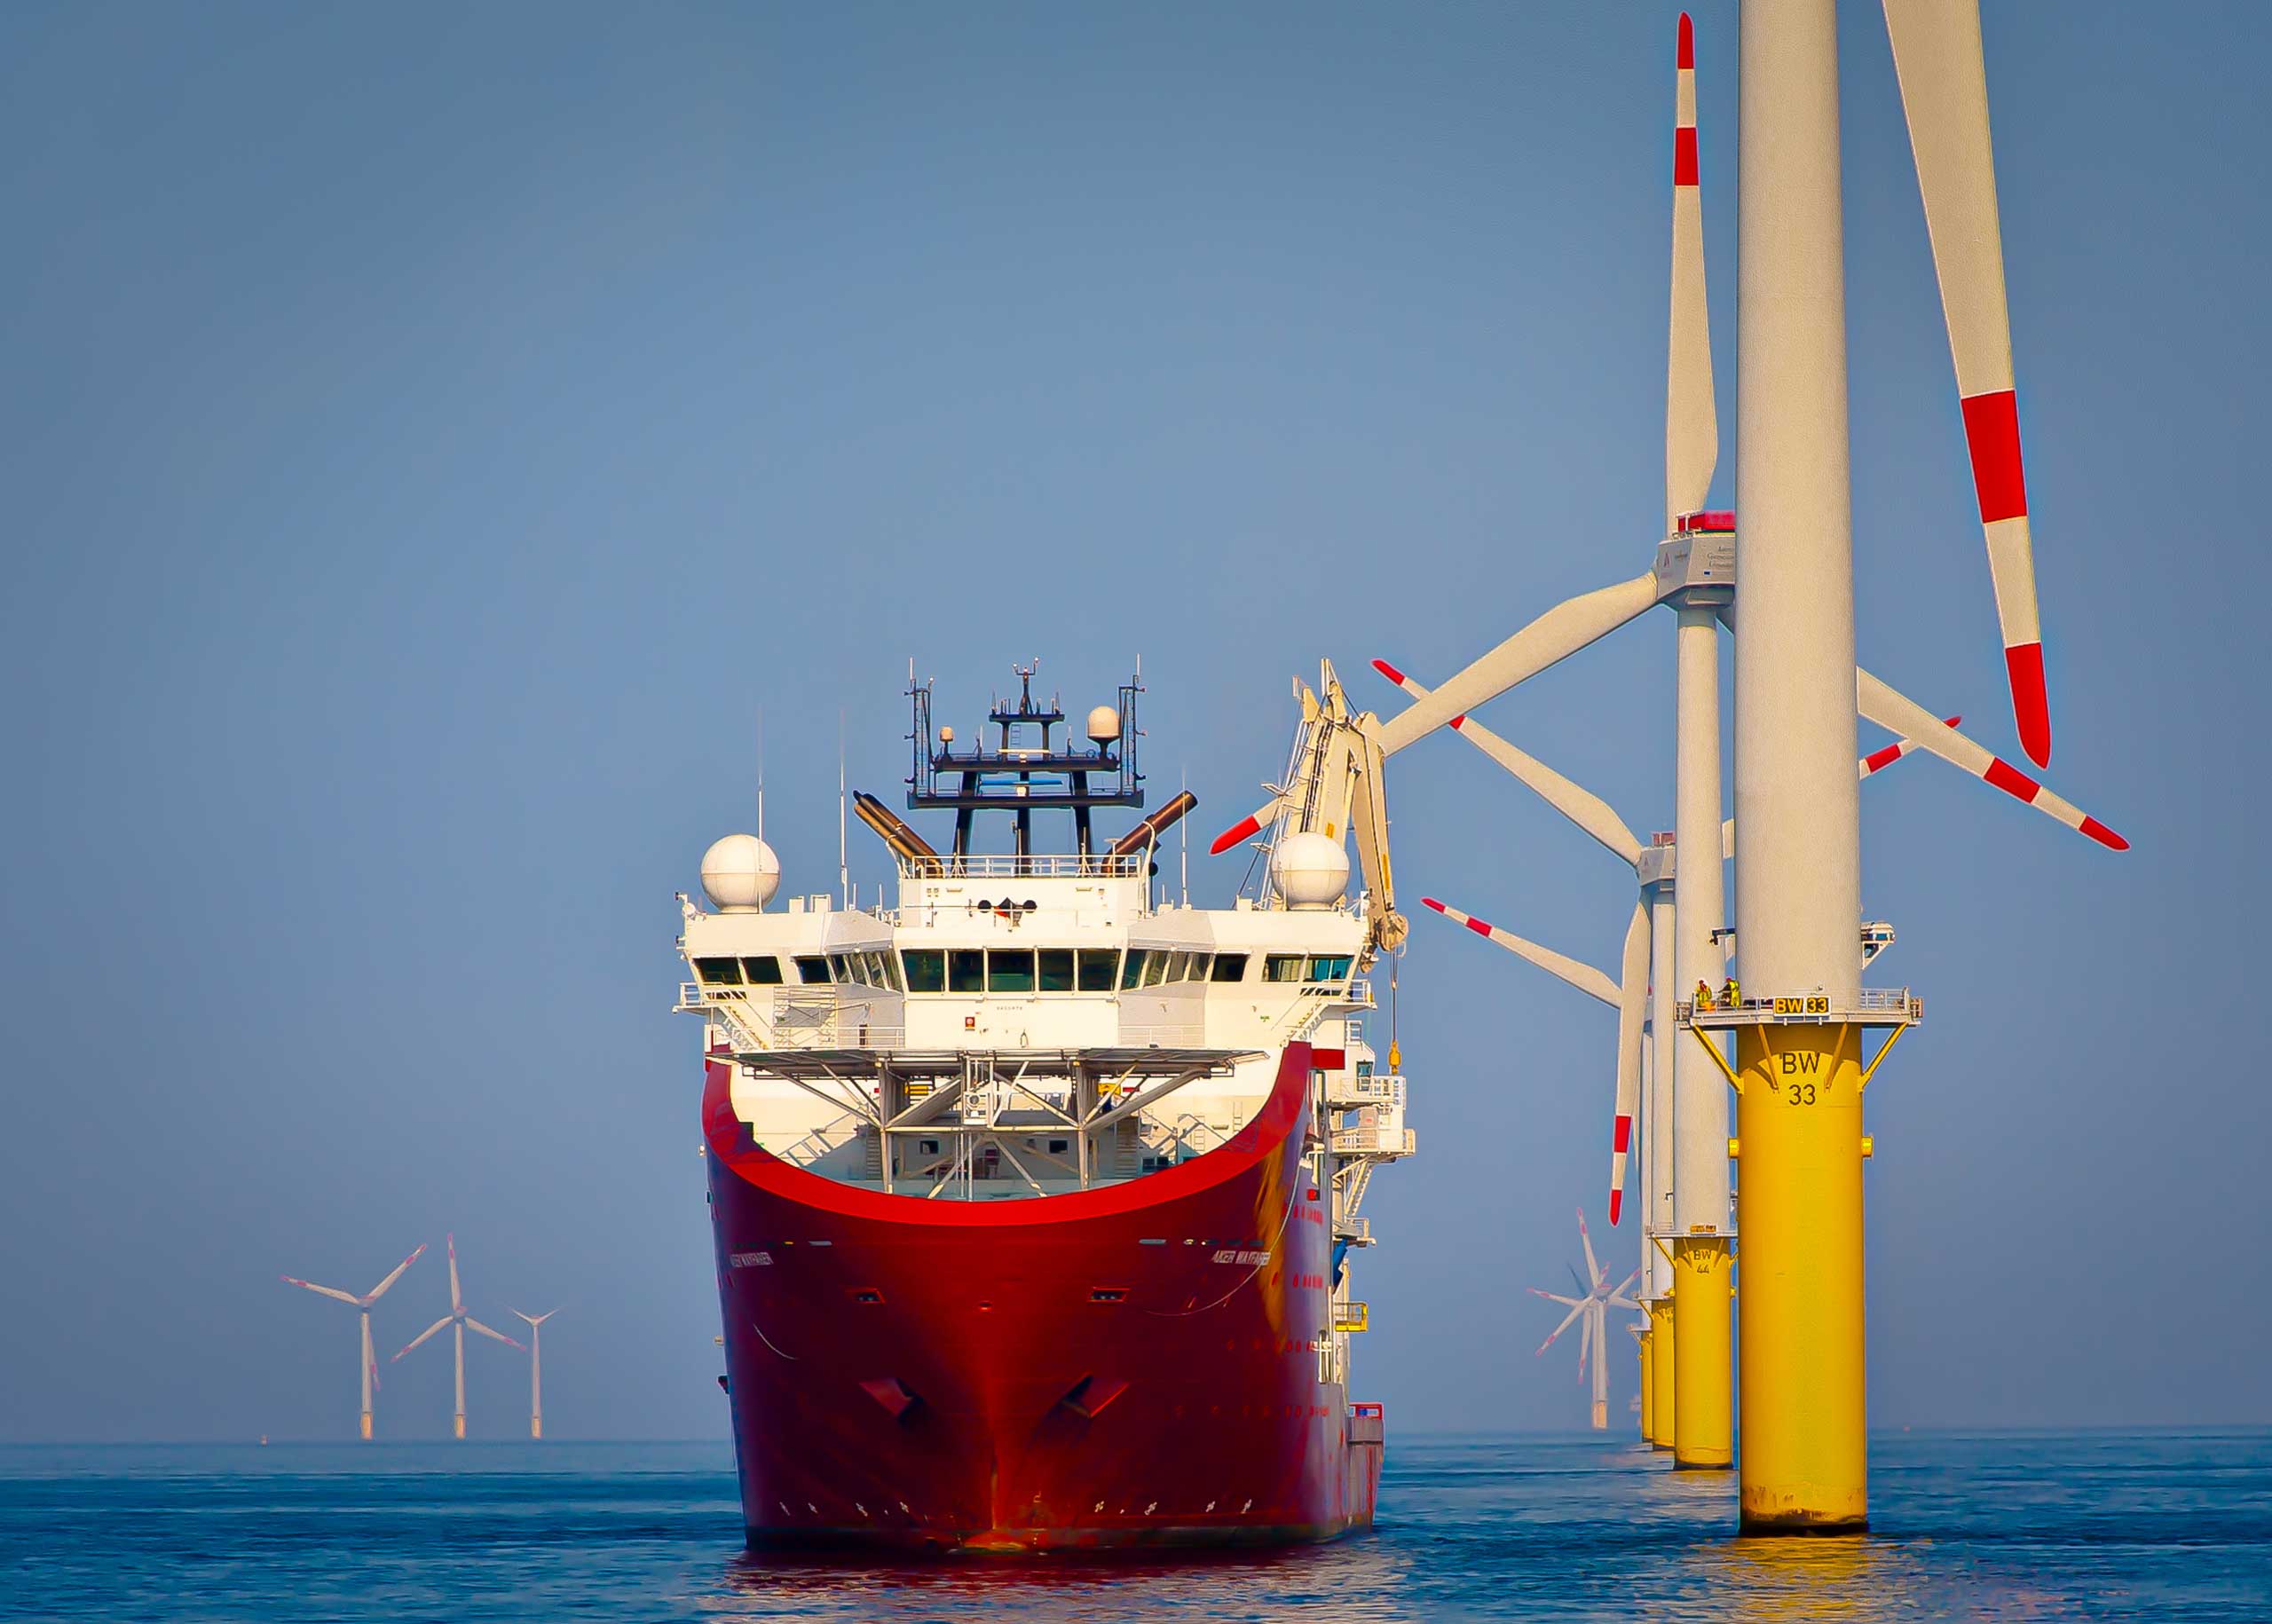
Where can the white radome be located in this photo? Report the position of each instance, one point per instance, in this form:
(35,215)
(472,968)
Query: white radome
(1104,724)
(740,873)
(1312,869)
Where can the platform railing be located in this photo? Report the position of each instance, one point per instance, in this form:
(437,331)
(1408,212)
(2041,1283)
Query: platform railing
(1033,865)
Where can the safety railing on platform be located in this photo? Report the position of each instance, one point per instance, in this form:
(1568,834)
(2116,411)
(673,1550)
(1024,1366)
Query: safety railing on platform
(1008,865)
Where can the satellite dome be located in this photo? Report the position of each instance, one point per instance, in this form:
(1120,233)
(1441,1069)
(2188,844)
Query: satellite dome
(740,873)
(1312,869)
(1104,724)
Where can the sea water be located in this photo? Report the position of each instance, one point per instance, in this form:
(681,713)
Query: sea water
(2163,1525)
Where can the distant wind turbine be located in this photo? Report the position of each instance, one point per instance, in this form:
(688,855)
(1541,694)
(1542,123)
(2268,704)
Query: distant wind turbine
(459,1321)
(536,1367)
(1592,1311)
(370,1362)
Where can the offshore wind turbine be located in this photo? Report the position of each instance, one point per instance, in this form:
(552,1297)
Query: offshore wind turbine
(1591,1313)
(536,1367)
(370,1369)
(459,1320)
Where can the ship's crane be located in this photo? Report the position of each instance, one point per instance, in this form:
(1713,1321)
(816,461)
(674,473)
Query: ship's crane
(1334,788)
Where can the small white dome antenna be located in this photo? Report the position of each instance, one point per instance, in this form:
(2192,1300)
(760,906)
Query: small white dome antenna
(1103,725)
(740,874)
(1311,870)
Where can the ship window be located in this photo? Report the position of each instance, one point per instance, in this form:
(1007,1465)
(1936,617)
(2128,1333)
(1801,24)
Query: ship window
(1229,967)
(928,1147)
(847,969)
(1155,967)
(927,970)
(1056,970)
(1097,967)
(812,970)
(1009,970)
(1282,967)
(966,970)
(1057,1147)
(1198,967)
(761,972)
(888,966)
(1329,967)
(1179,967)
(1132,973)
(719,971)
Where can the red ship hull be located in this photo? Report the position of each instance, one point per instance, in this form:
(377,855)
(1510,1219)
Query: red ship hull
(1142,1365)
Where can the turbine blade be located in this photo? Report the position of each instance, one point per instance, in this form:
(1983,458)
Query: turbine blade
(457,1302)
(1945,97)
(473,1324)
(1585,1343)
(1692,419)
(1633,997)
(1252,824)
(421,1336)
(1878,761)
(1551,1297)
(345,1297)
(1554,636)
(1581,806)
(379,1289)
(1584,977)
(1593,1269)
(1558,1329)
(1890,710)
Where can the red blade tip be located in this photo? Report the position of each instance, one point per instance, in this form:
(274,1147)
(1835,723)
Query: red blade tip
(1430,901)
(1243,830)
(1687,57)
(2030,706)
(1390,672)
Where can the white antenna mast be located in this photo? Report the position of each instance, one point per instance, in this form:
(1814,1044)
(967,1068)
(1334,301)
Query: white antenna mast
(1185,855)
(761,772)
(843,859)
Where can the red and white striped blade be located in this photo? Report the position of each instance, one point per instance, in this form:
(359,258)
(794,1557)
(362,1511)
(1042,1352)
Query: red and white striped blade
(345,1297)
(1633,998)
(1583,808)
(1692,419)
(428,1331)
(1247,827)
(473,1324)
(1878,761)
(1554,636)
(1584,977)
(379,1290)
(1566,1319)
(456,1302)
(1593,1269)
(1944,95)
(1890,710)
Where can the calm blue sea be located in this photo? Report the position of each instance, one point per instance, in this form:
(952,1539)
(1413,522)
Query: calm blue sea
(2173,1525)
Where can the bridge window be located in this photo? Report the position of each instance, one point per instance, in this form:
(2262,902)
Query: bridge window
(1179,967)
(847,968)
(1056,970)
(1282,967)
(966,970)
(1198,967)
(1131,973)
(1329,967)
(1009,970)
(1097,967)
(813,971)
(886,971)
(1229,967)
(927,969)
(761,972)
(1155,967)
(719,971)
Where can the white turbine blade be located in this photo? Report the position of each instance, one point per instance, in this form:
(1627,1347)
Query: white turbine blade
(1593,1269)
(1584,977)
(1554,1296)
(1554,636)
(1573,1313)
(421,1336)
(1619,1300)
(473,1324)
(1691,420)
(1585,1343)
(379,1289)
(1944,95)
(1248,826)
(456,1302)
(345,1297)
(1878,761)
(1889,710)
(1581,806)
(1632,1002)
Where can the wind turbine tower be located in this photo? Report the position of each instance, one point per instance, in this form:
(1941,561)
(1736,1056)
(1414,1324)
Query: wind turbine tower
(370,1374)
(459,1320)
(536,1367)
(1592,1310)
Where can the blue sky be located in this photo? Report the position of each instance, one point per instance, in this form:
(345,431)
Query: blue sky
(434,434)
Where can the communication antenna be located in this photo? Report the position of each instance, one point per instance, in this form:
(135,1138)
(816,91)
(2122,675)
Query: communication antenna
(1185,855)
(843,858)
(761,772)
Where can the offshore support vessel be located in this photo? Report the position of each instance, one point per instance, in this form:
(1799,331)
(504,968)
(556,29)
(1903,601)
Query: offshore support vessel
(1033,1196)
